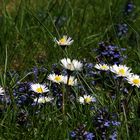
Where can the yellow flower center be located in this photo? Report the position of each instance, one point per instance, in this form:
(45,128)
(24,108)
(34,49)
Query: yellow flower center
(122,72)
(136,81)
(39,90)
(70,82)
(58,78)
(87,100)
(104,67)
(63,40)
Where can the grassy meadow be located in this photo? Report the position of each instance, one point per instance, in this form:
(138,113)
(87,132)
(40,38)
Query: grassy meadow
(86,89)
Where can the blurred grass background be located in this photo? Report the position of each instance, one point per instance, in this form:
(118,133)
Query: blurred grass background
(27,32)
(28,27)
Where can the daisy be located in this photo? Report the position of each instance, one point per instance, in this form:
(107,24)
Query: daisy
(71,82)
(71,64)
(120,70)
(64,41)
(134,80)
(55,78)
(1,91)
(43,100)
(102,67)
(86,99)
(39,88)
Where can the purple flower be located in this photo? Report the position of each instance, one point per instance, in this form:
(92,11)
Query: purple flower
(129,7)
(113,136)
(72,134)
(107,123)
(115,123)
(122,29)
(81,134)
(89,136)
(89,65)
(110,53)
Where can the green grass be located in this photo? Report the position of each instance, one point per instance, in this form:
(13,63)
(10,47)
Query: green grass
(32,28)
(27,39)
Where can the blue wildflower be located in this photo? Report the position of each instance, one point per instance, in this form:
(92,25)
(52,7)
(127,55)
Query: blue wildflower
(89,136)
(115,123)
(129,8)
(105,123)
(122,29)
(81,134)
(109,53)
(72,134)
(113,136)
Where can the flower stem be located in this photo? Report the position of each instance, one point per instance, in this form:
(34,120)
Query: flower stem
(63,102)
(63,99)
(63,94)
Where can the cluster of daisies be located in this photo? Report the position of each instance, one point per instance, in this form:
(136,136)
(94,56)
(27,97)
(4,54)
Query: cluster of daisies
(40,89)
(70,80)
(67,63)
(70,65)
(121,71)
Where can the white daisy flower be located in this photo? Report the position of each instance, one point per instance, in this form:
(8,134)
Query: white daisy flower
(64,41)
(43,100)
(134,80)
(39,88)
(120,70)
(86,99)
(56,78)
(81,100)
(102,67)
(71,82)
(1,91)
(71,65)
